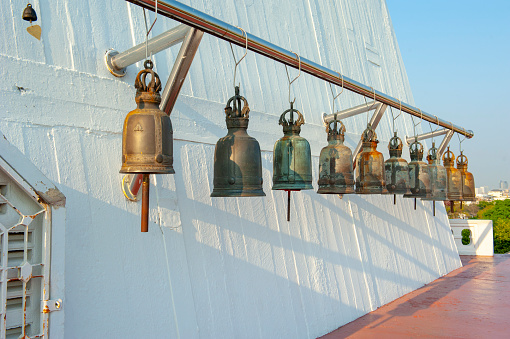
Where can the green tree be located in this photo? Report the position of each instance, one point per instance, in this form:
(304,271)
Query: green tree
(499,213)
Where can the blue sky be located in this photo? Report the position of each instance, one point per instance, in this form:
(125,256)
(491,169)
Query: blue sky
(457,59)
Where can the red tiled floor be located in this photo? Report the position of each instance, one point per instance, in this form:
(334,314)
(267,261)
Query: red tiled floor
(471,302)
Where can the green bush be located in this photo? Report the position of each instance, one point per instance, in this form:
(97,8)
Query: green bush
(466,236)
(499,213)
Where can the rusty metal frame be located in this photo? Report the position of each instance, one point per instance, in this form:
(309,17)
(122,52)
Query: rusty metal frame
(204,22)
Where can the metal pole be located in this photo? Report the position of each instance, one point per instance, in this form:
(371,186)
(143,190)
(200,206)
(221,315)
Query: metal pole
(192,17)
(374,121)
(117,62)
(350,112)
(444,143)
(428,135)
(180,70)
(145,203)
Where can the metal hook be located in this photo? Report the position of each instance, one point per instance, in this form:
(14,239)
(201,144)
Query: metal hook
(432,131)
(414,125)
(288,77)
(366,103)
(245,52)
(461,141)
(148,30)
(333,95)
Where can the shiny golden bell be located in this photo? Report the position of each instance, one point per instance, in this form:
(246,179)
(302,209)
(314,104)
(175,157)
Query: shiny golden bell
(370,177)
(467,180)
(453,177)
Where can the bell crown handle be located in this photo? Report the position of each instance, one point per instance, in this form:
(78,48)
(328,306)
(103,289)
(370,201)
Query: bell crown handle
(448,155)
(416,150)
(154,85)
(432,153)
(291,122)
(236,111)
(335,130)
(395,143)
(369,135)
(462,159)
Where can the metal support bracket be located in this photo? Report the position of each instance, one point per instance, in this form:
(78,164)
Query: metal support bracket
(428,135)
(374,121)
(51,305)
(117,62)
(444,143)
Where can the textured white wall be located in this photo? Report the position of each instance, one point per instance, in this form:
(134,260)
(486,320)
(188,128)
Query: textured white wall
(213,268)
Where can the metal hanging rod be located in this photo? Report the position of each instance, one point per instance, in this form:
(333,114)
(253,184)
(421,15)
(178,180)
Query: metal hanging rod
(194,18)
(410,139)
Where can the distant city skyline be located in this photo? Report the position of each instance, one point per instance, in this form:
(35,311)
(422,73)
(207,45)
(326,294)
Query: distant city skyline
(456,58)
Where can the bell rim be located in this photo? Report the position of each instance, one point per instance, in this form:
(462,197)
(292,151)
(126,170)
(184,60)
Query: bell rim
(289,187)
(382,190)
(398,191)
(139,171)
(331,190)
(224,193)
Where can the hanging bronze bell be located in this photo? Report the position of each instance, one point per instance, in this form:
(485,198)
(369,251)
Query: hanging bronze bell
(437,175)
(29,14)
(370,177)
(467,180)
(336,175)
(147,137)
(237,159)
(419,182)
(147,140)
(396,168)
(292,158)
(453,177)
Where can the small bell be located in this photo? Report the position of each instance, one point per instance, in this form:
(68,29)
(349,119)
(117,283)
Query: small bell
(453,177)
(437,178)
(292,157)
(370,166)
(336,175)
(418,173)
(237,159)
(147,141)
(467,180)
(396,168)
(29,14)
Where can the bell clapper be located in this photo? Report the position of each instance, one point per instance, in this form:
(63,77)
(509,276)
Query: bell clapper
(394,199)
(415,204)
(288,205)
(451,206)
(434,207)
(145,203)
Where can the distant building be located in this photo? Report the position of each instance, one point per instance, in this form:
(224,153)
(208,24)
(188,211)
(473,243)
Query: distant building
(480,190)
(503,185)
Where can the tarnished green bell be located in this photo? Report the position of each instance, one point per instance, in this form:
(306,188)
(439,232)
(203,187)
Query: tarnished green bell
(237,160)
(292,158)
(437,176)
(453,177)
(370,177)
(418,173)
(336,175)
(396,168)
(467,180)
(147,137)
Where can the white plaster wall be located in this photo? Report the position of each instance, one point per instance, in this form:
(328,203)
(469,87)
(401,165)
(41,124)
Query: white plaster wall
(482,237)
(213,268)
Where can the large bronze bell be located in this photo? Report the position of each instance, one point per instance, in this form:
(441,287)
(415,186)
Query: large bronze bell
(396,168)
(336,175)
(147,141)
(437,178)
(418,173)
(437,175)
(237,160)
(453,177)
(467,180)
(292,158)
(370,177)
